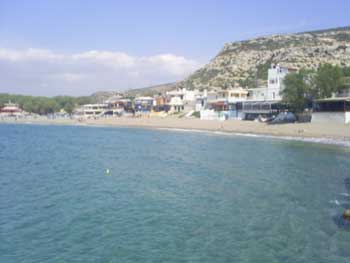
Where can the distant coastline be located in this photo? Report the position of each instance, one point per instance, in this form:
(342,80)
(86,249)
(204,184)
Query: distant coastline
(308,132)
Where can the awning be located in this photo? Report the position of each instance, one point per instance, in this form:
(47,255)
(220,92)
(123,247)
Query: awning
(333,99)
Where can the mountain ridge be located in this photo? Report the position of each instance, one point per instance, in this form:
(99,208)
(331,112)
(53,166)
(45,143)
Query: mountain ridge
(246,62)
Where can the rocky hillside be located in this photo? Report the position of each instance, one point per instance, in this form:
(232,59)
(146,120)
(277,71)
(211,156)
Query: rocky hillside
(246,62)
(150,91)
(99,97)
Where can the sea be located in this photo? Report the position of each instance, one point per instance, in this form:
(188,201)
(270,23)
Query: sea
(103,194)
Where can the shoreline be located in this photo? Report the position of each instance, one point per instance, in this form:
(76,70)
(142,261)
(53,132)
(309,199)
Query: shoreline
(325,141)
(306,132)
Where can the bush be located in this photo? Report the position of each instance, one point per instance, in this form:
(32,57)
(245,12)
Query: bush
(196,114)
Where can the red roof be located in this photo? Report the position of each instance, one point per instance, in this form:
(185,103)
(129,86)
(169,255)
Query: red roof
(10,109)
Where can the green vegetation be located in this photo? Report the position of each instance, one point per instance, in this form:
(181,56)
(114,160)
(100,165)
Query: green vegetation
(262,69)
(196,114)
(307,85)
(207,75)
(342,37)
(297,90)
(249,82)
(45,105)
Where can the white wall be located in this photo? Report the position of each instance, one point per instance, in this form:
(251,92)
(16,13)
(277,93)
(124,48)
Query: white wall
(347,117)
(275,83)
(273,94)
(212,96)
(258,94)
(199,106)
(190,95)
(331,117)
(274,86)
(211,115)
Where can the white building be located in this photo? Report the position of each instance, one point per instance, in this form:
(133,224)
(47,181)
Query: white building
(176,104)
(257,94)
(11,109)
(184,94)
(91,110)
(275,85)
(201,100)
(223,104)
(182,99)
(231,95)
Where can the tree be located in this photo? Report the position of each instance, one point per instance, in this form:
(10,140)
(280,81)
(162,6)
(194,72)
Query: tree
(328,80)
(346,71)
(345,81)
(84,100)
(297,91)
(45,105)
(69,107)
(305,86)
(65,102)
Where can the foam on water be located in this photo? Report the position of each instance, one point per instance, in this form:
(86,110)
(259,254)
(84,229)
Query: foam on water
(255,135)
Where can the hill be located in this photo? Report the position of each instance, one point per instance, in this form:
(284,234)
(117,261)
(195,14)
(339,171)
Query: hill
(150,91)
(246,62)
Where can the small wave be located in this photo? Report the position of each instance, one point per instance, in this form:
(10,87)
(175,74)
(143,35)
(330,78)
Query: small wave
(255,135)
(344,194)
(334,202)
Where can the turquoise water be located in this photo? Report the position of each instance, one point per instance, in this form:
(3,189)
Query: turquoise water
(170,197)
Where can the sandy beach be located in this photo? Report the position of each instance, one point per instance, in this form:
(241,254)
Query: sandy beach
(298,130)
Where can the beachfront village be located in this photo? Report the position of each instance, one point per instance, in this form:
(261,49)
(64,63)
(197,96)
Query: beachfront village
(263,103)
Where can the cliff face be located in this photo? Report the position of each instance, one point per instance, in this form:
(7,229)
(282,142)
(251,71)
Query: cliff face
(246,62)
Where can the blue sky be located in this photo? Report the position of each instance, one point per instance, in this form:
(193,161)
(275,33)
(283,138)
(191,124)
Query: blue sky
(146,34)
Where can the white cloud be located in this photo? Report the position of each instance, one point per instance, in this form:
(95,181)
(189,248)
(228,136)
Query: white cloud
(68,77)
(44,72)
(114,59)
(174,64)
(29,54)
